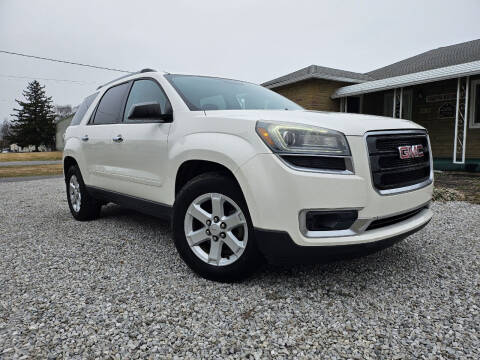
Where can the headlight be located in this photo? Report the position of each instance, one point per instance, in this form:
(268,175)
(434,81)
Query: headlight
(287,138)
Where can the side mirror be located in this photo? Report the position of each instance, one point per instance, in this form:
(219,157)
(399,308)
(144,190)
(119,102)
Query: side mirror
(149,111)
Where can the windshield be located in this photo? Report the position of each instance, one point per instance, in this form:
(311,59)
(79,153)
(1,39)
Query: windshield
(209,93)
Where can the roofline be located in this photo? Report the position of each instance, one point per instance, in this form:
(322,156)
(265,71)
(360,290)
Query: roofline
(125,76)
(311,76)
(438,74)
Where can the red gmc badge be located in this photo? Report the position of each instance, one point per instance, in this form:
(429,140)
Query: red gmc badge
(410,152)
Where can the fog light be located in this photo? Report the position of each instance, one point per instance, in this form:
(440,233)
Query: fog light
(330,220)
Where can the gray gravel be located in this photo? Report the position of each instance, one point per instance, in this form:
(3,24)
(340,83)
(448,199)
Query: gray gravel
(116,288)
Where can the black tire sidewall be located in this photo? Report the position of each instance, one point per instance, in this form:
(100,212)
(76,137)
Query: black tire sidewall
(89,207)
(214,183)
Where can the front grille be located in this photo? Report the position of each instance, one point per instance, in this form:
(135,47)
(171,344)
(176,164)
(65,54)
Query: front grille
(393,219)
(389,171)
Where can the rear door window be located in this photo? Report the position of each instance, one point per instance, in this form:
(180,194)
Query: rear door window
(82,109)
(110,108)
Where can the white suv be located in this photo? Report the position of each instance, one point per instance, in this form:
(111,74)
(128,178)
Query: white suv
(245,174)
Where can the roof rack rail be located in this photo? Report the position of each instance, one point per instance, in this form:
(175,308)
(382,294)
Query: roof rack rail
(124,76)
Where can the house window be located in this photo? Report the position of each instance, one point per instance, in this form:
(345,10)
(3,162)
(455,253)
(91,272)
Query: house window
(475,104)
(407,104)
(354,105)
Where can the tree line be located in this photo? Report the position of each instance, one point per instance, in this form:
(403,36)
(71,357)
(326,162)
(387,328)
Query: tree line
(33,120)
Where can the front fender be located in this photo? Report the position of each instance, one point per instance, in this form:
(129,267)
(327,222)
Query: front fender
(231,151)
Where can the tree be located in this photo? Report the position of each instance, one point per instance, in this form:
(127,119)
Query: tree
(4,133)
(33,122)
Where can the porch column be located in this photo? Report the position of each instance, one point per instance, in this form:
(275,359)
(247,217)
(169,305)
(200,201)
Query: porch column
(397,103)
(401,103)
(461,120)
(394,102)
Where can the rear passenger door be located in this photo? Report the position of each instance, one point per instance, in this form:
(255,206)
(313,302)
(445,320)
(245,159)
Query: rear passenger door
(98,140)
(141,158)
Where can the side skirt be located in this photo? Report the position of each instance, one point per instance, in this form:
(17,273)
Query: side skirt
(144,206)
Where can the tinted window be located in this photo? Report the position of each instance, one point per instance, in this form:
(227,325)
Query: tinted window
(110,108)
(207,93)
(476,110)
(82,109)
(144,91)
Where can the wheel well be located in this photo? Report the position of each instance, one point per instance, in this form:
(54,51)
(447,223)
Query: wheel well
(67,163)
(192,168)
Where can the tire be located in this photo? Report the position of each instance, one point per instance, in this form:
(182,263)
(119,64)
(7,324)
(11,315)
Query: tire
(87,208)
(233,256)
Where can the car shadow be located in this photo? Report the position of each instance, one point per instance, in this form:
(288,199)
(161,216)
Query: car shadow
(362,266)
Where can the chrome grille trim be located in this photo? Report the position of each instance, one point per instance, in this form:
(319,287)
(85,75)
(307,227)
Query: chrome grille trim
(402,189)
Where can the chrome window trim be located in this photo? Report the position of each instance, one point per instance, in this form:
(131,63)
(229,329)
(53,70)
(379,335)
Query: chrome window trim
(404,188)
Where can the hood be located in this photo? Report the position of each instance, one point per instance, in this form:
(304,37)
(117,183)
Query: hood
(349,124)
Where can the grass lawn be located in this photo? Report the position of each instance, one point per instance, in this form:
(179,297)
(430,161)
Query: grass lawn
(32,170)
(33,156)
(466,183)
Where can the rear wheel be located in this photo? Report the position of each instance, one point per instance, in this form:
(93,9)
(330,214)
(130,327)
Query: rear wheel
(82,206)
(212,229)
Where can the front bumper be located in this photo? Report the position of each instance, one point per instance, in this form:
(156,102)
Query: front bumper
(279,248)
(276,195)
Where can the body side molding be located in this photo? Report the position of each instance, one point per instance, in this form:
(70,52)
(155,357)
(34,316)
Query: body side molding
(144,206)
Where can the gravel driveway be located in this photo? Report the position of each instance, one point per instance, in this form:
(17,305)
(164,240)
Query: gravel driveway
(116,287)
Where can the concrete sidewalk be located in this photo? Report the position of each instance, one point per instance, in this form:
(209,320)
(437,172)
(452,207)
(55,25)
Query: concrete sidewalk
(29,178)
(28,163)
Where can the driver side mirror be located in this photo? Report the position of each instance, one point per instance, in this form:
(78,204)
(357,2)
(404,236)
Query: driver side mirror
(151,111)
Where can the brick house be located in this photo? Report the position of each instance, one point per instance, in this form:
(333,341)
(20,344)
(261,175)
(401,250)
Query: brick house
(439,89)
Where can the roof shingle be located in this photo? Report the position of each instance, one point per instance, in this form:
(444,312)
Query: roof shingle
(433,59)
(441,57)
(319,72)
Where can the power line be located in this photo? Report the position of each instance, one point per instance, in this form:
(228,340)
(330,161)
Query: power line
(46,79)
(63,61)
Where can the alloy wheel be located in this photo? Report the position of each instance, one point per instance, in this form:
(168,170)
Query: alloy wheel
(216,229)
(75,194)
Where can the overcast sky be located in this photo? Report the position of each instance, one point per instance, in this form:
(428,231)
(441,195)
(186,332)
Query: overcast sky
(249,40)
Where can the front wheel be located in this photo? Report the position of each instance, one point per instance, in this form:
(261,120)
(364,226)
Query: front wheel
(212,229)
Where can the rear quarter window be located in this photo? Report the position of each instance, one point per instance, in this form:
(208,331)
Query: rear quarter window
(82,109)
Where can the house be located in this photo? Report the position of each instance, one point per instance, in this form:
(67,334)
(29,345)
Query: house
(15,148)
(438,89)
(29,148)
(61,124)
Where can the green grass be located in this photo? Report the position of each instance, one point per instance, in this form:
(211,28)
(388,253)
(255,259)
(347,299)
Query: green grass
(33,156)
(31,170)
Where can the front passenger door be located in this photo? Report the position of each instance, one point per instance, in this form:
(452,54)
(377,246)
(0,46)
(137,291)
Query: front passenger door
(141,157)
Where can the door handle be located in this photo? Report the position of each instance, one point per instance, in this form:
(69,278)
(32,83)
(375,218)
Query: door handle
(118,139)
(85,138)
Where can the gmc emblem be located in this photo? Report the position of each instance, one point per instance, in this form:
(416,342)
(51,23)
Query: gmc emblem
(410,152)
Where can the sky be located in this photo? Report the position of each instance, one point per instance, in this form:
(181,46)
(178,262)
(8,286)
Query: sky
(249,40)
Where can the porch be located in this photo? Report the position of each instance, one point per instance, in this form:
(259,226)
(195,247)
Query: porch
(448,108)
